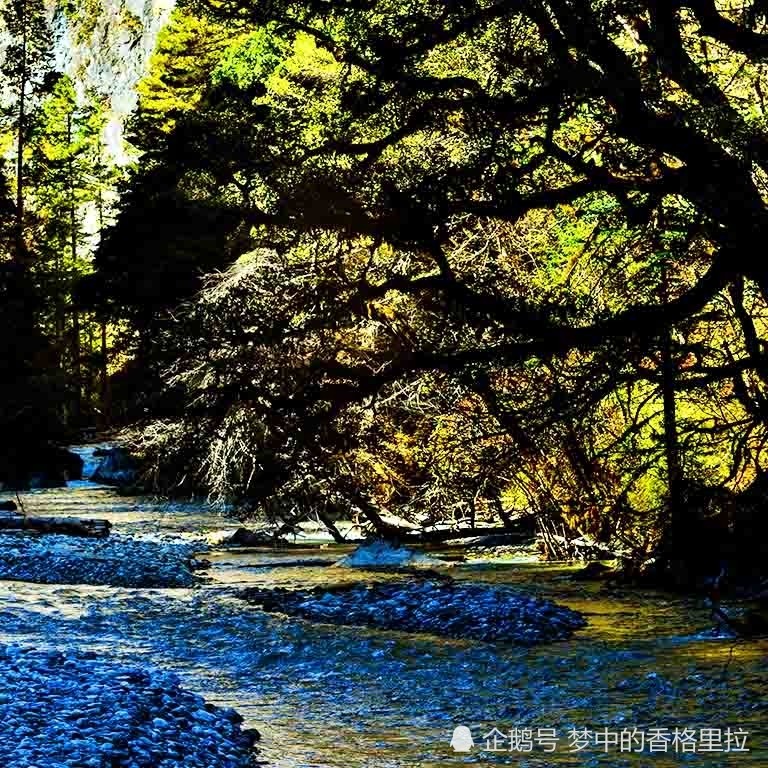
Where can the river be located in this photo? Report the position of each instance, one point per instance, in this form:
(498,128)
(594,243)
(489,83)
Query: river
(335,697)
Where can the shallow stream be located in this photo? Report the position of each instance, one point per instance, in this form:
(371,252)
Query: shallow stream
(336,697)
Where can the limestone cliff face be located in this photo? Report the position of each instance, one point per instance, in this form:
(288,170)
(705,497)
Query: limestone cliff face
(105,46)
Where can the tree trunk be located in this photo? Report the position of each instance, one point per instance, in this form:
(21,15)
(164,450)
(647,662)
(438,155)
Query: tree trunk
(677,515)
(106,406)
(67,526)
(73,233)
(20,244)
(76,370)
(671,442)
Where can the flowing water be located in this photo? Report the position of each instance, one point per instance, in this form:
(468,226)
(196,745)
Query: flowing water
(336,697)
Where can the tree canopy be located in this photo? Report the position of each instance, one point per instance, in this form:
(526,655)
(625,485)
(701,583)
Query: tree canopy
(452,261)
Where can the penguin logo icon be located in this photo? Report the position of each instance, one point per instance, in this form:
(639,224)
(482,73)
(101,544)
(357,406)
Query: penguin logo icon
(462,739)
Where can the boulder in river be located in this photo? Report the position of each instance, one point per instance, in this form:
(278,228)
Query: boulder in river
(382,554)
(71,462)
(117,467)
(54,466)
(244,537)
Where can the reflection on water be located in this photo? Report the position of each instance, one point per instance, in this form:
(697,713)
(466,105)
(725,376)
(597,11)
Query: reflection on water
(337,697)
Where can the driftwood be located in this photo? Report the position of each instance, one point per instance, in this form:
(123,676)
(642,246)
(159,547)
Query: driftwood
(519,530)
(68,526)
(442,535)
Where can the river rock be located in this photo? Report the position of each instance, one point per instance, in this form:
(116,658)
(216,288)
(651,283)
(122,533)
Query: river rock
(381,554)
(444,607)
(74,710)
(118,561)
(117,467)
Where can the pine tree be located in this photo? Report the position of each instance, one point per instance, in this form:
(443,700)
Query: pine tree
(69,179)
(25,69)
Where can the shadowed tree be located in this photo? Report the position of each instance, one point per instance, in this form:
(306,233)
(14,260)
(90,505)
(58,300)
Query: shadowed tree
(456,218)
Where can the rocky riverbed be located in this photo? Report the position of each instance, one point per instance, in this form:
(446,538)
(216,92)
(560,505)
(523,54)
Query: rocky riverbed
(325,695)
(434,606)
(117,561)
(66,710)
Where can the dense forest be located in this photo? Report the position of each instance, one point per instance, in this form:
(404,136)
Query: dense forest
(438,266)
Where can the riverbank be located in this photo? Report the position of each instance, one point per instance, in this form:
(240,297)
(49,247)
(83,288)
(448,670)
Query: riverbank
(69,710)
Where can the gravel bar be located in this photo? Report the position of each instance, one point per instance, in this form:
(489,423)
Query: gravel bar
(118,561)
(78,711)
(445,608)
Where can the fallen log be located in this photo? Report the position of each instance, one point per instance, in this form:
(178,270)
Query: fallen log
(67,526)
(522,531)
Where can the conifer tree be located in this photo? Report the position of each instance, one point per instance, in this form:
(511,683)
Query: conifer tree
(68,175)
(25,68)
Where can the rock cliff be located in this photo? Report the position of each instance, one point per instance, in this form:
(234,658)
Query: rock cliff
(105,46)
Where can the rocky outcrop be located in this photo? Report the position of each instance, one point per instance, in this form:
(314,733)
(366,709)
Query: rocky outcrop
(39,466)
(105,48)
(57,465)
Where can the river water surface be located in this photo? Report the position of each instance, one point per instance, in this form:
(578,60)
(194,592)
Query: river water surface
(336,697)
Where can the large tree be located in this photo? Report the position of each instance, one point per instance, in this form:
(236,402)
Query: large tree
(485,224)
